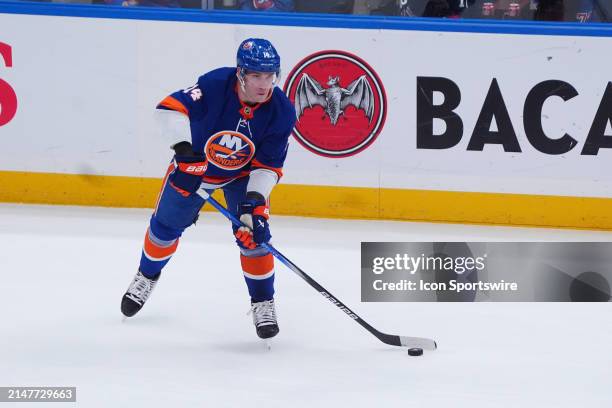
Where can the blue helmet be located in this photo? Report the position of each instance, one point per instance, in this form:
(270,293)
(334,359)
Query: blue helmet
(257,54)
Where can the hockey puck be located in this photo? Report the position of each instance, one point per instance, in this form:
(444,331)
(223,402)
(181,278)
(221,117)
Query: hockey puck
(415,351)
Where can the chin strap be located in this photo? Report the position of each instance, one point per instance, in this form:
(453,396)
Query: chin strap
(240,76)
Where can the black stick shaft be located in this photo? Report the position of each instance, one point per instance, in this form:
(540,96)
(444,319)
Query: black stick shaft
(385,338)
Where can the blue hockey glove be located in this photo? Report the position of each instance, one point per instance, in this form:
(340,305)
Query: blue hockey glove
(254,213)
(189,169)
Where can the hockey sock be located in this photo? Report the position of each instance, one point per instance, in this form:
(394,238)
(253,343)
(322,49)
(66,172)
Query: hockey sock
(259,276)
(155,254)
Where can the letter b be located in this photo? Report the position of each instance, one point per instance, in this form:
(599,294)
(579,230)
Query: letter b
(427,112)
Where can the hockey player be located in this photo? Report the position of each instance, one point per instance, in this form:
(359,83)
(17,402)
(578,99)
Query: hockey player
(229,131)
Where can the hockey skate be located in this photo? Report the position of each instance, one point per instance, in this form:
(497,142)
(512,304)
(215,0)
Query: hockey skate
(137,294)
(264,318)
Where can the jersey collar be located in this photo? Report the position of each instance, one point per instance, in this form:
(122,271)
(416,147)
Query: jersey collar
(248,111)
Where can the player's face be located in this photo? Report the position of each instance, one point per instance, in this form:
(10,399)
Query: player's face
(257,86)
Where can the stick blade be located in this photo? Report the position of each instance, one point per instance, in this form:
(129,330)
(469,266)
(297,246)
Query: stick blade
(405,341)
(418,342)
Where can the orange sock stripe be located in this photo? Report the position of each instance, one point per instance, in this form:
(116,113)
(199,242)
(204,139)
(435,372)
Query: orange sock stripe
(260,265)
(158,253)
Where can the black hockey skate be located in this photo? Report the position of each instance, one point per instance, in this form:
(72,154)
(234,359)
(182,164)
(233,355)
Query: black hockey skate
(264,318)
(137,294)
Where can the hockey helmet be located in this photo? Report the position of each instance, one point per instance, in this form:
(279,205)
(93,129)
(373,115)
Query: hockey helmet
(257,54)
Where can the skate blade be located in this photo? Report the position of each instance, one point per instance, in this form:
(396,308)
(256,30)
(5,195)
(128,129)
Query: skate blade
(267,344)
(123,319)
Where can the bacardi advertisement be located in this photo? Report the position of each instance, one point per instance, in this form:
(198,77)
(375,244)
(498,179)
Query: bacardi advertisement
(381,109)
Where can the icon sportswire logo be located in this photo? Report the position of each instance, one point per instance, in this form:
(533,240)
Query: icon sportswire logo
(340,103)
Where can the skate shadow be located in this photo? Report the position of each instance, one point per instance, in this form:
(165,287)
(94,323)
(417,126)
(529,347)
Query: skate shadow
(245,347)
(148,320)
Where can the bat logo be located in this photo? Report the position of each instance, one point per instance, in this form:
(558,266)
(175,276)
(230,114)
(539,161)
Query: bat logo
(339,101)
(334,99)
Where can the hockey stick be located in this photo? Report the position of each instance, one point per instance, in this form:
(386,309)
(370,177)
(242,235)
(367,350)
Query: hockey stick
(393,340)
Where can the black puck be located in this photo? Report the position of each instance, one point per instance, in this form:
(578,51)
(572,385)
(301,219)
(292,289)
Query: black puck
(415,351)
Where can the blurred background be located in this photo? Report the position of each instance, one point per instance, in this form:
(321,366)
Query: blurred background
(579,11)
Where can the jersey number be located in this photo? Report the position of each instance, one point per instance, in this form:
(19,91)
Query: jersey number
(194,92)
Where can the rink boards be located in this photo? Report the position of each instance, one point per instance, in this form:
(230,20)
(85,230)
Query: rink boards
(478,123)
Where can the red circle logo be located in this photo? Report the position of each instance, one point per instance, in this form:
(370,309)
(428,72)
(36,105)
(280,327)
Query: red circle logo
(340,103)
(229,150)
(8,98)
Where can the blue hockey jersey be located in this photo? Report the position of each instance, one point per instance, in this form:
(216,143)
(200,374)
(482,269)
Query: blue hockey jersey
(235,137)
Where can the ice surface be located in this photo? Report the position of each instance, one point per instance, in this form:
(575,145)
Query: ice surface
(63,271)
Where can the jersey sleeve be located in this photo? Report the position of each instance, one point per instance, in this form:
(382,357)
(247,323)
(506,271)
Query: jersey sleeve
(271,156)
(189,101)
(273,151)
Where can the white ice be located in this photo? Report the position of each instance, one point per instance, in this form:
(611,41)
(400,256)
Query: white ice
(63,271)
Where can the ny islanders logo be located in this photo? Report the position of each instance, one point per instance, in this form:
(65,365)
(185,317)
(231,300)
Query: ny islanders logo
(340,103)
(229,150)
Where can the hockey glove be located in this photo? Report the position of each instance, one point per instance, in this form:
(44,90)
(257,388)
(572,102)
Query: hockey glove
(254,213)
(189,169)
